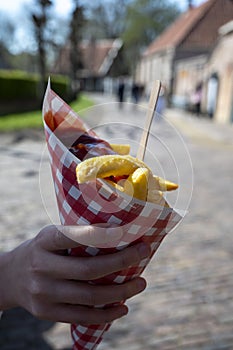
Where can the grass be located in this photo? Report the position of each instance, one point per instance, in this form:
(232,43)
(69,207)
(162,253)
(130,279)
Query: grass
(33,119)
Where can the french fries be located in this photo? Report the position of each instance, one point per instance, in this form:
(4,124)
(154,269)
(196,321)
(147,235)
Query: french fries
(126,174)
(121,149)
(137,184)
(161,184)
(105,166)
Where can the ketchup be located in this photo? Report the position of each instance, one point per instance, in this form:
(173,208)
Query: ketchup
(87,146)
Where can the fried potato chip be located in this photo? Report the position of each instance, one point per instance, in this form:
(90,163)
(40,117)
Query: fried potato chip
(104,166)
(116,185)
(159,183)
(138,162)
(163,185)
(120,148)
(137,183)
(135,177)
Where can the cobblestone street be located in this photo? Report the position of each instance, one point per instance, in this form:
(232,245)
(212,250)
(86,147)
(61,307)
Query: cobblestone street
(188,303)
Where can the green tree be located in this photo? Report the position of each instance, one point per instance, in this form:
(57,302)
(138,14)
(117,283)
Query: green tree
(40,19)
(7,31)
(145,20)
(137,22)
(25,61)
(76,33)
(106,20)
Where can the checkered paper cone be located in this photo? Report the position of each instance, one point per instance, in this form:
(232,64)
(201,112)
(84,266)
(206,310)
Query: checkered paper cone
(97,202)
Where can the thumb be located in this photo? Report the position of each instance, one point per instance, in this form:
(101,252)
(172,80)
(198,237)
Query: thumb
(93,235)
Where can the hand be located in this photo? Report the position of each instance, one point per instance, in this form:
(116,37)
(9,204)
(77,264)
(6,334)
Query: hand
(40,277)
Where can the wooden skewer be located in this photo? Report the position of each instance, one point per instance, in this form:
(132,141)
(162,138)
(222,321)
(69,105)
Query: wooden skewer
(150,113)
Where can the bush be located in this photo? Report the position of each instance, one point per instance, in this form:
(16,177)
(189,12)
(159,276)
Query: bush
(16,85)
(61,85)
(19,91)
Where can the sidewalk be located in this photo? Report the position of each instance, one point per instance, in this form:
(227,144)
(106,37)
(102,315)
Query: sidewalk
(201,128)
(197,128)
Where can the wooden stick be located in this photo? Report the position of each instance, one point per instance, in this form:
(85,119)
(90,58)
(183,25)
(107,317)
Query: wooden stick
(150,113)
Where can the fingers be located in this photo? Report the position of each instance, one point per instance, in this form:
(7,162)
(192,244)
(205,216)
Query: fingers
(79,314)
(72,292)
(91,315)
(59,237)
(92,235)
(59,290)
(86,268)
(76,302)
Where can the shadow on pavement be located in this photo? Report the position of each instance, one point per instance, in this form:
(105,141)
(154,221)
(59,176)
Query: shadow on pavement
(19,330)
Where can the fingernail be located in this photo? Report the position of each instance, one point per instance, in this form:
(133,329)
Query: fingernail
(144,250)
(141,283)
(125,310)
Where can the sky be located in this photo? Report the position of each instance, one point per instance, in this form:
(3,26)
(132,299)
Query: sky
(22,41)
(62,7)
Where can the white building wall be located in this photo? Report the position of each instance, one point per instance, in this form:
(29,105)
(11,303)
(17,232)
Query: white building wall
(221,62)
(155,67)
(189,73)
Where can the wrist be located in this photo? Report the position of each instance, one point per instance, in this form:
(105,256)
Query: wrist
(7,290)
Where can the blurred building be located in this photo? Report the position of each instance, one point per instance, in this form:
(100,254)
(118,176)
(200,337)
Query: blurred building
(180,55)
(100,61)
(220,68)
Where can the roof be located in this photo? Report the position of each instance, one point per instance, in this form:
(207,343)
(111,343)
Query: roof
(179,29)
(97,56)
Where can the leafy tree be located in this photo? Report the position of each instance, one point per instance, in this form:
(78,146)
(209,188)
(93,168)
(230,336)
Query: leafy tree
(106,20)
(25,61)
(76,33)
(137,22)
(7,31)
(145,20)
(40,19)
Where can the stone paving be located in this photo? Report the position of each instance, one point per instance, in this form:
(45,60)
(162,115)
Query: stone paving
(188,303)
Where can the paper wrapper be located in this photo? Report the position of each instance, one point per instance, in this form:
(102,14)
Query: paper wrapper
(97,202)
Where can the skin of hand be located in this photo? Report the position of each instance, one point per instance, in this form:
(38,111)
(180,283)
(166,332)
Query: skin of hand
(41,277)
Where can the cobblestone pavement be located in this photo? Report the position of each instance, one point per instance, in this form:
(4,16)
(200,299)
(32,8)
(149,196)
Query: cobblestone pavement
(188,303)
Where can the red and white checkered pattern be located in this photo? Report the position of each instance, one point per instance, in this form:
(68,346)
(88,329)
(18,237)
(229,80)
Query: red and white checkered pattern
(97,202)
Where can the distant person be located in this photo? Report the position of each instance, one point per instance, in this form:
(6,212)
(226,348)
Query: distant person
(212,95)
(135,92)
(197,98)
(121,92)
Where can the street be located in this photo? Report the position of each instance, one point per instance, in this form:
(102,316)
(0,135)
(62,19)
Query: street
(188,303)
